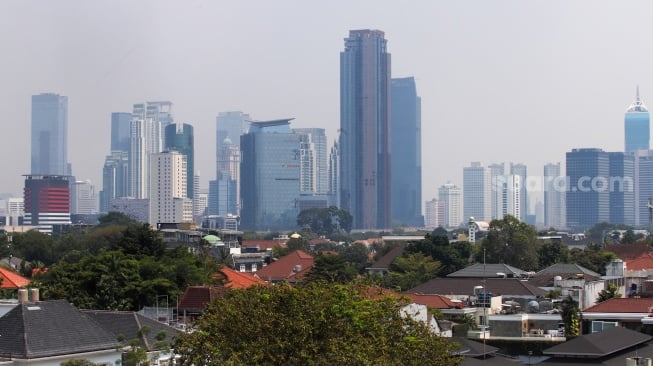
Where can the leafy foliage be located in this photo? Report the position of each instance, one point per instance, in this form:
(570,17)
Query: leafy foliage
(331,268)
(410,270)
(325,221)
(317,324)
(512,242)
(452,257)
(570,317)
(608,293)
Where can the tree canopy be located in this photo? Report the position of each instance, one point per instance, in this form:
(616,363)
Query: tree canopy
(316,324)
(512,242)
(325,221)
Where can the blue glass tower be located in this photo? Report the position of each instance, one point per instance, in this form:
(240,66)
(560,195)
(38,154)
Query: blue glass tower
(179,137)
(49,134)
(636,125)
(406,153)
(588,191)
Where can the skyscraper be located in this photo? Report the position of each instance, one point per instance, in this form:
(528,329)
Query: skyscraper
(114,179)
(477,192)
(621,183)
(47,201)
(313,151)
(120,127)
(406,150)
(451,195)
(497,171)
(270,172)
(49,135)
(434,214)
(643,185)
(520,170)
(636,126)
(146,138)
(365,130)
(334,175)
(554,197)
(224,198)
(588,196)
(83,198)
(179,137)
(169,202)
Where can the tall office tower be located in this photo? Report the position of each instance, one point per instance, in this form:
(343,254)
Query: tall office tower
(270,174)
(47,201)
(145,138)
(496,171)
(226,190)
(201,204)
(120,131)
(506,191)
(636,126)
(198,206)
(621,184)
(83,198)
(49,150)
(435,214)
(406,147)
(179,137)
(555,186)
(334,175)
(229,127)
(313,151)
(477,192)
(365,178)
(212,205)
(643,186)
(169,202)
(451,196)
(520,170)
(588,196)
(114,179)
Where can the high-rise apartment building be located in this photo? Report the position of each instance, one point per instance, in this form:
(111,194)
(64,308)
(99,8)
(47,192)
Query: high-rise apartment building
(637,126)
(434,214)
(334,175)
(451,196)
(365,171)
(270,176)
(83,198)
(179,137)
(169,202)
(477,192)
(49,135)
(146,138)
(643,186)
(406,158)
(47,201)
(120,131)
(313,152)
(521,171)
(588,194)
(506,192)
(496,172)
(555,186)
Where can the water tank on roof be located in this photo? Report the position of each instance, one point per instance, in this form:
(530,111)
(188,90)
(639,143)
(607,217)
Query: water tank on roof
(533,307)
(557,278)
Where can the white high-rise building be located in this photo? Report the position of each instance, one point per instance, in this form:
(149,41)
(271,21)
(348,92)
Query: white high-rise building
(146,138)
(506,192)
(554,197)
(313,159)
(521,171)
(435,214)
(16,206)
(496,170)
(334,175)
(168,199)
(451,196)
(83,198)
(477,200)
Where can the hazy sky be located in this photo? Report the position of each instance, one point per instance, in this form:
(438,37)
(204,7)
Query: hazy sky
(500,81)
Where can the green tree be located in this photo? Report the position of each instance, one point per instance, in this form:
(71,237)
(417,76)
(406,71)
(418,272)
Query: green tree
(608,293)
(452,256)
(78,362)
(410,270)
(552,253)
(141,240)
(114,218)
(325,221)
(512,242)
(331,268)
(570,317)
(316,324)
(593,257)
(629,237)
(357,255)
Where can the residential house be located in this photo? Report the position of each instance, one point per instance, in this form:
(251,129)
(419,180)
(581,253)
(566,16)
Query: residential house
(382,266)
(195,300)
(582,284)
(290,268)
(48,333)
(12,280)
(629,312)
(489,270)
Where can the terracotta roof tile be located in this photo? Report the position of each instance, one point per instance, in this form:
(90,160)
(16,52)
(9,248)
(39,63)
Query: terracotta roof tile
(644,261)
(628,251)
(195,298)
(622,305)
(12,279)
(433,301)
(235,279)
(291,267)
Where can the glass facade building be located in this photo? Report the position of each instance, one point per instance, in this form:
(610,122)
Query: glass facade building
(179,137)
(621,185)
(406,150)
(120,122)
(588,192)
(637,126)
(365,171)
(49,134)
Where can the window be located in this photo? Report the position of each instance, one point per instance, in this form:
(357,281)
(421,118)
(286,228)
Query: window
(242,268)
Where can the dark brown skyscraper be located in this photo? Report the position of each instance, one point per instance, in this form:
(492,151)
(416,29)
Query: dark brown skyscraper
(365,129)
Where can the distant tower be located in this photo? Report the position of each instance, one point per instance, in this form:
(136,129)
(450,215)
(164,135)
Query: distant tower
(365,130)
(169,202)
(406,152)
(588,196)
(334,175)
(477,192)
(179,137)
(49,149)
(120,125)
(84,200)
(224,198)
(636,123)
(451,196)
(555,185)
(521,171)
(114,179)
(47,201)
(622,188)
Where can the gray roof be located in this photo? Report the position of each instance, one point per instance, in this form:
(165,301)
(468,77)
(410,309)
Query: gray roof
(51,328)
(465,287)
(129,323)
(597,345)
(480,270)
(385,261)
(566,268)
(469,348)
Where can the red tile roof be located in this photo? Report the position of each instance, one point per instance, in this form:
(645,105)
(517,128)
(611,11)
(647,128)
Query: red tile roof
(291,267)
(195,298)
(433,301)
(10,279)
(263,245)
(236,279)
(628,251)
(644,261)
(622,305)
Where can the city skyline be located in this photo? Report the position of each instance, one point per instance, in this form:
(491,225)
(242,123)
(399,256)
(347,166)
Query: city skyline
(547,71)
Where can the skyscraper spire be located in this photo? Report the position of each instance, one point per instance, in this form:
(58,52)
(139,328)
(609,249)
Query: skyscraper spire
(637,105)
